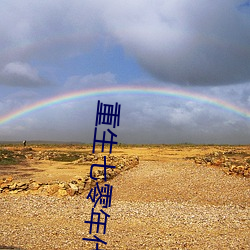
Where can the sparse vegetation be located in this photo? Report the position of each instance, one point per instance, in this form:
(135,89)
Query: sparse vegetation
(8,157)
(66,157)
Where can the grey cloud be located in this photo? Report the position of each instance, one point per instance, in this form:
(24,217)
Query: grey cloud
(90,81)
(176,120)
(185,42)
(144,119)
(238,95)
(47,30)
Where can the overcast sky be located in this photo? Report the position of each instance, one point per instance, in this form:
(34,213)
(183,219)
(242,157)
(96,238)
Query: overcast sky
(48,48)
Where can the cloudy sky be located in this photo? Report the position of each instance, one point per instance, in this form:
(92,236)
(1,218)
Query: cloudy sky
(51,48)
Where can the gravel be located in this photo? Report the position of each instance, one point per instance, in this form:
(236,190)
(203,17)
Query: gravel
(157,205)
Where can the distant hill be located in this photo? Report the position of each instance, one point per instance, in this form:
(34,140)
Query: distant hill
(39,142)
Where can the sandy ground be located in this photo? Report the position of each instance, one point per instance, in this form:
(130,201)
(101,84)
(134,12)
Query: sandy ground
(167,202)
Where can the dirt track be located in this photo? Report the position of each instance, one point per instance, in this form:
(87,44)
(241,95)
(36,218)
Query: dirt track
(171,204)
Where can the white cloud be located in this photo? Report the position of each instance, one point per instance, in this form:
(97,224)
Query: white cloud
(20,74)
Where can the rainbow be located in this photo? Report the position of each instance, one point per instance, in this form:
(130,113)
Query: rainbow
(124,90)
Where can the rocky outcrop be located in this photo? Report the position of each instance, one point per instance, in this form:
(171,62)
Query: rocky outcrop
(74,187)
(232,163)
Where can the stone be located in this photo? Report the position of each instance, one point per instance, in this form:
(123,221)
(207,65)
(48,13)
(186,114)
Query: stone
(78,184)
(74,187)
(80,188)
(9,179)
(93,183)
(13,186)
(20,184)
(101,177)
(208,159)
(198,161)
(70,191)
(78,178)
(24,187)
(87,184)
(14,191)
(240,169)
(4,185)
(62,192)
(34,186)
(62,185)
(90,157)
(246,173)
(29,156)
(52,189)
(228,164)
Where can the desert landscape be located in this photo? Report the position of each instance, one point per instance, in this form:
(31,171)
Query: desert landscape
(125,125)
(164,196)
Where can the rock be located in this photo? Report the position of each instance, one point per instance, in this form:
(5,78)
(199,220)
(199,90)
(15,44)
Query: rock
(78,178)
(29,156)
(90,157)
(228,164)
(34,186)
(232,168)
(93,183)
(74,187)
(216,154)
(13,186)
(246,173)
(62,192)
(70,191)
(14,191)
(240,169)
(87,184)
(4,185)
(22,185)
(217,161)
(62,185)
(52,189)
(208,159)
(9,179)
(80,188)
(198,161)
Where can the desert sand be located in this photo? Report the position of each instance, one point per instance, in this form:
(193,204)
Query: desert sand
(177,197)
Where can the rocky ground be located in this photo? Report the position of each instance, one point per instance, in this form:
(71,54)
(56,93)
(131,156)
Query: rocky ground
(166,202)
(232,162)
